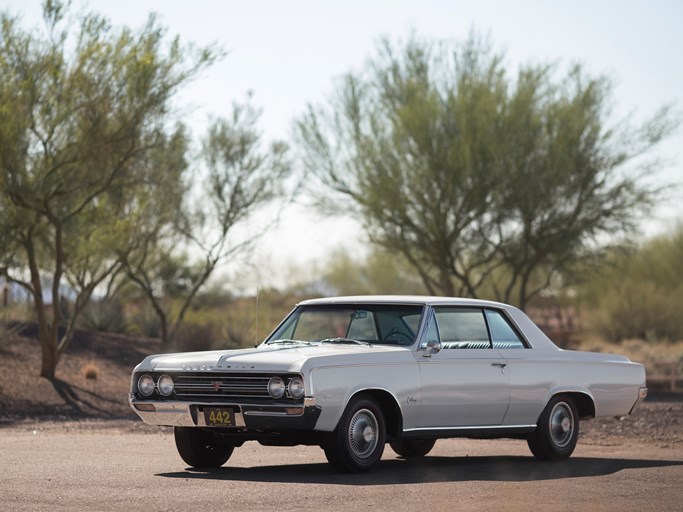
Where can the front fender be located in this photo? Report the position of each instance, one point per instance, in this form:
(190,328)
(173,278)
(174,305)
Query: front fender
(333,387)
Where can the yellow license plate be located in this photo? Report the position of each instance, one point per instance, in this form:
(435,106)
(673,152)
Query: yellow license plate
(219,417)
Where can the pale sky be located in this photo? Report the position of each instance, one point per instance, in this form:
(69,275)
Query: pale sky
(288,53)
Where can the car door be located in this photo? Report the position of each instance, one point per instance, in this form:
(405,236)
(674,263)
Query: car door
(465,383)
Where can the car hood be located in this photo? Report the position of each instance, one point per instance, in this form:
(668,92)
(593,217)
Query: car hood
(276,358)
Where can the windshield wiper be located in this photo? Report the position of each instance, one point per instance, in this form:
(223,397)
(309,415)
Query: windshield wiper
(288,342)
(348,341)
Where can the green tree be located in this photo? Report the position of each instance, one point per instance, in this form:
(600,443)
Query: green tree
(84,113)
(240,177)
(484,183)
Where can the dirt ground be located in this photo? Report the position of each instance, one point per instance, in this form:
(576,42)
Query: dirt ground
(92,378)
(73,444)
(107,466)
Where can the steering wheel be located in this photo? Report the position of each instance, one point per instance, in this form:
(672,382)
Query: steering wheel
(399,337)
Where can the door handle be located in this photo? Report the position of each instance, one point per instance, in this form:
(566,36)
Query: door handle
(499,365)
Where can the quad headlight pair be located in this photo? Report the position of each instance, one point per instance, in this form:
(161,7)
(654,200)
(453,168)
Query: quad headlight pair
(146,385)
(276,386)
(295,387)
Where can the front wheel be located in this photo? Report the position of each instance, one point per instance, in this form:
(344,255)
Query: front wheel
(557,431)
(357,443)
(200,448)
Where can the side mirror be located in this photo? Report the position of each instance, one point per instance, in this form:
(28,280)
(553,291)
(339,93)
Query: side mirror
(431,347)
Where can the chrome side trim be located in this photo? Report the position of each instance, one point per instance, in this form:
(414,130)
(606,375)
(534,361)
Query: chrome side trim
(471,427)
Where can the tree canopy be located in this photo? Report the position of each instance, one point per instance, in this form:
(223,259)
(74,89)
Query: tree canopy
(488,184)
(84,140)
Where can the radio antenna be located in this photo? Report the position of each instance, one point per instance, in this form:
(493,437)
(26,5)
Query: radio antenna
(256,321)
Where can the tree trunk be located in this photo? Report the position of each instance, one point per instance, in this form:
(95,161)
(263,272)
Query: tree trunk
(49,358)
(48,344)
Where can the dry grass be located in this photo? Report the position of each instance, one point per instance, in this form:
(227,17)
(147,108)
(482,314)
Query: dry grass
(91,371)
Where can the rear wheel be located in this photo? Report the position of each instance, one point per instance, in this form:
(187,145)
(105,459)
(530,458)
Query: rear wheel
(357,443)
(413,448)
(200,448)
(557,431)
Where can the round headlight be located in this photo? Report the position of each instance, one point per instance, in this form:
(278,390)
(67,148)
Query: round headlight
(276,387)
(296,387)
(146,385)
(165,385)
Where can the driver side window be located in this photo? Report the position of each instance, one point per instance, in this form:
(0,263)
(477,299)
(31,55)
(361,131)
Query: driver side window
(462,328)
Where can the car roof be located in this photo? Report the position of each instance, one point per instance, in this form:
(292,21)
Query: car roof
(404,299)
(533,334)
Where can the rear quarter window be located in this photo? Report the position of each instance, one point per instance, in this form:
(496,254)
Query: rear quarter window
(503,335)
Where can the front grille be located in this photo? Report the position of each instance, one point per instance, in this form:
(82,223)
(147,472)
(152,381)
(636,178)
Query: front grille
(189,387)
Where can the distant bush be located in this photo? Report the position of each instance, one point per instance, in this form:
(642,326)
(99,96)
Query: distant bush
(642,310)
(144,321)
(195,336)
(232,324)
(212,298)
(103,316)
(639,295)
(8,331)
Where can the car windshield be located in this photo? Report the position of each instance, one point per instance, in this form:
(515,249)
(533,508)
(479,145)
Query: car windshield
(375,324)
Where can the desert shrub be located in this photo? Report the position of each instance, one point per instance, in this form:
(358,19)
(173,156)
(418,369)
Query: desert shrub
(212,298)
(642,310)
(9,331)
(144,322)
(638,294)
(232,324)
(91,371)
(193,335)
(104,316)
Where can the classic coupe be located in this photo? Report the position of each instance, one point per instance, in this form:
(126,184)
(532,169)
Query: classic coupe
(351,374)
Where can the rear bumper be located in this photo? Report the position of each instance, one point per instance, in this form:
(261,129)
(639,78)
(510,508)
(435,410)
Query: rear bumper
(642,394)
(247,416)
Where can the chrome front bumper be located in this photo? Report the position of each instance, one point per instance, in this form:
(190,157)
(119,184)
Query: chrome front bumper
(190,414)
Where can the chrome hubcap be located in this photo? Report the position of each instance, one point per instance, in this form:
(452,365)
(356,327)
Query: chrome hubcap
(368,434)
(561,424)
(363,433)
(566,425)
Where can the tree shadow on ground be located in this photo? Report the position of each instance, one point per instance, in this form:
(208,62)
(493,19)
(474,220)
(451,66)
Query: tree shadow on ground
(431,469)
(75,400)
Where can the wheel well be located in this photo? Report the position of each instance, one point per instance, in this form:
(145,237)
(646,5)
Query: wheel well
(584,404)
(392,413)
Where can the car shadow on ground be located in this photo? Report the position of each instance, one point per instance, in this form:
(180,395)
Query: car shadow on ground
(430,469)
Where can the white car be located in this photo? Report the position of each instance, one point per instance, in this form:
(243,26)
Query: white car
(351,374)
